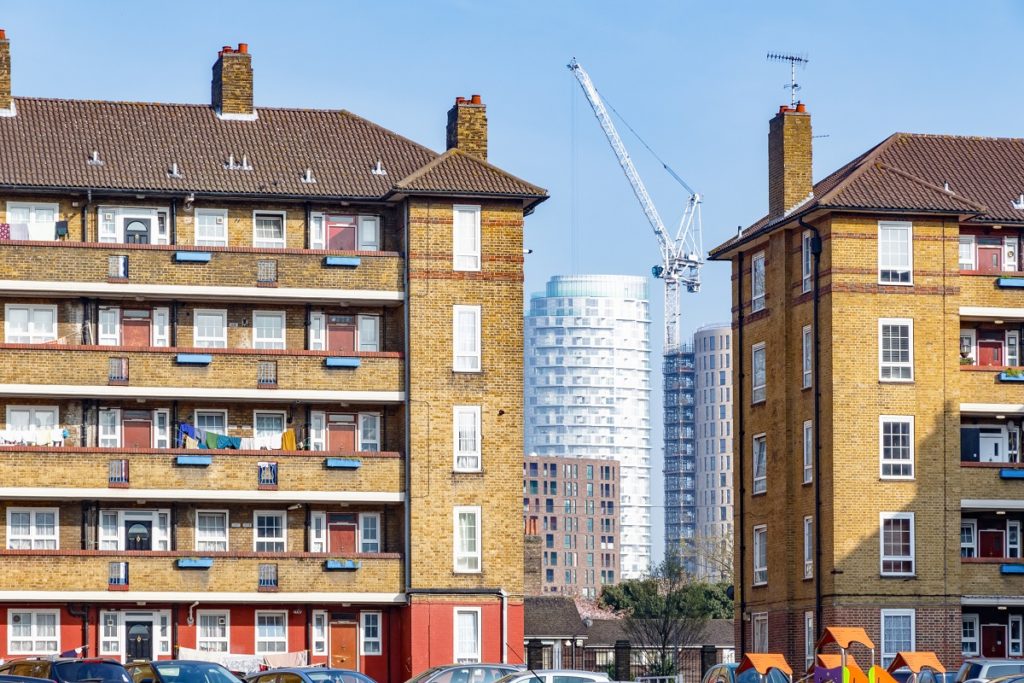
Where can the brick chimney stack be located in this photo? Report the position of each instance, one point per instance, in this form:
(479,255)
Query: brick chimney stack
(231,87)
(789,159)
(467,126)
(6,100)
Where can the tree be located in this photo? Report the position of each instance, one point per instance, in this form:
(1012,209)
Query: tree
(660,614)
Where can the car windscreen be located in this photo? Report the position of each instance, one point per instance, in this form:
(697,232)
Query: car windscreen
(997,670)
(329,676)
(751,676)
(102,672)
(193,672)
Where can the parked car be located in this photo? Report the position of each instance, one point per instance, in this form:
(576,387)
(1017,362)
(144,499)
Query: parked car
(7,678)
(67,670)
(981,669)
(726,673)
(179,671)
(465,673)
(309,674)
(555,676)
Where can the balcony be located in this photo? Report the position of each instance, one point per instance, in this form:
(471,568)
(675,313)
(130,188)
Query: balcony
(992,576)
(990,385)
(64,473)
(40,369)
(237,574)
(85,269)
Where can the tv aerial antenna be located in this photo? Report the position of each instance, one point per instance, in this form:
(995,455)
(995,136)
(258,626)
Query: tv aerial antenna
(793,60)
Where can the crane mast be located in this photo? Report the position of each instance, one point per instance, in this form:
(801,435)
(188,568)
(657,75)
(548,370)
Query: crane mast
(681,254)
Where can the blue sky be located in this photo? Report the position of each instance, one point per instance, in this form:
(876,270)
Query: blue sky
(690,77)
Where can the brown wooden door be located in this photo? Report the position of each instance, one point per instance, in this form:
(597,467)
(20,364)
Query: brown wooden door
(993,640)
(344,654)
(341,437)
(990,543)
(341,537)
(990,259)
(341,233)
(341,333)
(138,433)
(135,332)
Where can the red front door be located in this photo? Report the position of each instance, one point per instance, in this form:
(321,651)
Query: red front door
(990,543)
(341,534)
(993,640)
(341,333)
(138,433)
(341,233)
(990,259)
(341,436)
(135,331)
(990,352)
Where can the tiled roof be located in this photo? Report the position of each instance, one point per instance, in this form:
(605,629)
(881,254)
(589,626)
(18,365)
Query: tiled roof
(49,142)
(604,632)
(911,173)
(551,616)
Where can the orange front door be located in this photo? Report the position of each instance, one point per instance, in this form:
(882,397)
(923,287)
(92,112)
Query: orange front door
(341,537)
(138,433)
(135,332)
(341,437)
(344,654)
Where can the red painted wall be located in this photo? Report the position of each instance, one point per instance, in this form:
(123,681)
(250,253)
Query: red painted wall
(430,640)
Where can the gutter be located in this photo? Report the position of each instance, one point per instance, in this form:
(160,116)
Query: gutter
(816,319)
(741,433)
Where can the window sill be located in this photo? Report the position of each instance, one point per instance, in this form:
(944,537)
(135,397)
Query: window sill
(897,576)
(476,471)
(885,478)
(895,381)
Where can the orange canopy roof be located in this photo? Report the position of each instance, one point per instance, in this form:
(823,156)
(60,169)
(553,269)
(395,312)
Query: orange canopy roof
(833,661)
(844,635)
(915,661)
(879,675)
(763,662)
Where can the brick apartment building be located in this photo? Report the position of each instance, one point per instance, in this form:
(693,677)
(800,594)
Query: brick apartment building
(876,326)
(572,505)
(262,382)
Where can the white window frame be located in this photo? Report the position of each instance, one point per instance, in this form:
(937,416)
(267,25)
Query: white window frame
(366,545)
(104,437)
(364,242)
(257,539)
(895,322)
(317,331)
(371,647)
(972,262)
(372,322)
(1012,548)
(760,481)
(468,259)
(364,442)
(318,230)
(1012,345)
(32,207)
(971,334)
(159,518)
(808,451)
(220,342)
(261,243)
(458,555)
(1015,641)
(810,640)
(972,647)
(891,516)
(161,428)
(108,316)
(909,266)
(757,282)
(808,547)
(470,361)
(321,630)
(972,546)
(758,392)
(882,461)
(111,619)
(204,411)
(227,532)
(469,460)
(318,531)
(318,430)
(32,410)
(33,337)
(35,638)
(34,539)
(216,241)
(459,656)
(887,655)
(760,575)
(805,261)
(274,413)
(807,356)
(216,614)
(270,342)
(759,621)
(257,641)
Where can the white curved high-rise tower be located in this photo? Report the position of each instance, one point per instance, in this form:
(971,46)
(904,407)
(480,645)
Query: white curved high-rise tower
(587,390)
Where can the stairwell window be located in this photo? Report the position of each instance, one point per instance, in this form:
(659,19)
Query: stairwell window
(760,555)
(759,380)
(809,640)
(895,253)
(760,456)
(466,334)
(897,543)
(757,282)
(467,635)
(897,633)
(896,350)
(466,238)
(467,539)
(30,324)
(806,358)
(808,547)
(896,446)
(806,256)
(808,451)
(467,438)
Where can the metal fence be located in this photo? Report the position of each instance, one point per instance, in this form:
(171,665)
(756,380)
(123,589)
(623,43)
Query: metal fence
(687,660)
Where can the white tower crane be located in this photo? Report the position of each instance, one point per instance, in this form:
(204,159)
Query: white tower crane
(681,255)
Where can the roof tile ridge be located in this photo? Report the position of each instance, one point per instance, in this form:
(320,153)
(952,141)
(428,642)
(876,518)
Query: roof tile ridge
(929,185)
(497,169)
(390,132)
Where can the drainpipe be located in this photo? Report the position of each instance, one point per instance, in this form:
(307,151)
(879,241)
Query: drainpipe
(741,530)
(309,544)
(172,229)
(85,216)
(309,628)
(174,325)
(816,252)
(406,360)
(504,626)
(84,616)
(308,218)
